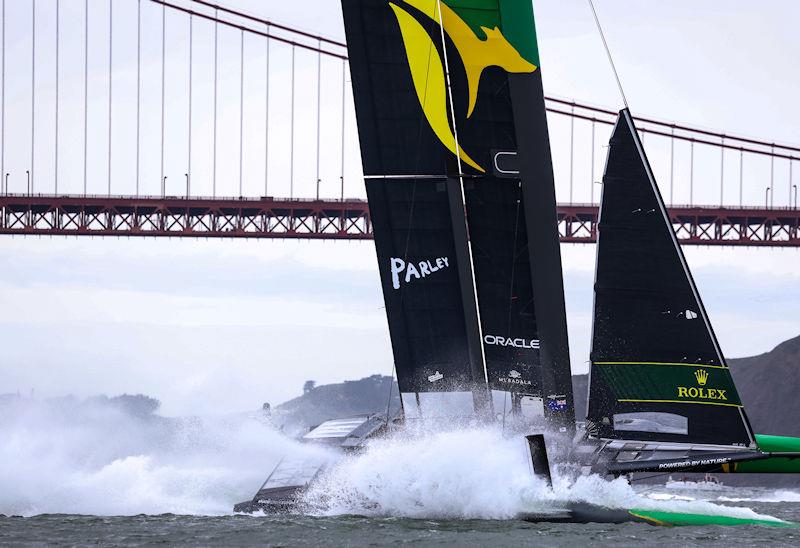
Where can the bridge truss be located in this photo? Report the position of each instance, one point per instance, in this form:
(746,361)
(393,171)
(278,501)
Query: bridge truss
(198,217)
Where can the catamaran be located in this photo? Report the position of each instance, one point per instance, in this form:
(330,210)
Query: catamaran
(459,178)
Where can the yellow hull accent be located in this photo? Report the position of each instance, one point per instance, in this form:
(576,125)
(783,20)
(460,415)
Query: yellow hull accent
(427,73)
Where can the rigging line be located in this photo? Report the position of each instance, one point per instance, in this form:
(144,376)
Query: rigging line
(461,188)
(138,85)
(391,386)
(55,154)
(412,201)
(241,109)
(33,91)
(163,76)
(216,78)
(608,52)
(110,80)
(85,93)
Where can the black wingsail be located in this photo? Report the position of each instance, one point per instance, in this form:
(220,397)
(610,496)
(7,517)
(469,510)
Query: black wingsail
(451,120)
(657,370)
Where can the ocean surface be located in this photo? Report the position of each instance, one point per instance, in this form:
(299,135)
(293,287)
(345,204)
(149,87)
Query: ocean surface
(91,472)
(65,530)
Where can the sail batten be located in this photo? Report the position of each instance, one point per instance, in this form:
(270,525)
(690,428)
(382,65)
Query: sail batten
(657,373)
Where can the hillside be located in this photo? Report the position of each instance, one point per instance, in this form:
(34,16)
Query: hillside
(368,395)
(768,385)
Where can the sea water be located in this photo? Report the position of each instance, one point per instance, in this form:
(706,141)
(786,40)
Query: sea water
(79,472)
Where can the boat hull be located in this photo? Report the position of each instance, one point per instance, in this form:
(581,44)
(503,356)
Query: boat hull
(589,513)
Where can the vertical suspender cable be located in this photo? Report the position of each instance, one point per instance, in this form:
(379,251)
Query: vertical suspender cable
(691,172)
(672,166)
(571,149)
(85,94)
(319,74)
(189,150)
(33,90)
(3,103)
(722,172)
(241,108)
(790,183)
(772,176)
(55,154)
(291,138)
(110,81)
(344,88)
(163,86)
(741,175)
(591,188)
(266,123)
(216,77)
(138,85)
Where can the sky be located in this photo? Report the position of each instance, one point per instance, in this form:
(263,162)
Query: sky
(220,326)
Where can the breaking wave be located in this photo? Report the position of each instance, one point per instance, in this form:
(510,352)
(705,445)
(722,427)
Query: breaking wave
(98,457)
(477,473)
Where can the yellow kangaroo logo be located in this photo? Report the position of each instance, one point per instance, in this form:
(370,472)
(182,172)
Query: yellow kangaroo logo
(476,54)
(427,70)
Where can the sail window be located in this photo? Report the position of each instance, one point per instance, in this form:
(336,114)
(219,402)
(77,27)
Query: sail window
(437,404)
(690,315)
(659,423)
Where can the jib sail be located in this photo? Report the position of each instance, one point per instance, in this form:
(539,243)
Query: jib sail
(657,369)
(440,89)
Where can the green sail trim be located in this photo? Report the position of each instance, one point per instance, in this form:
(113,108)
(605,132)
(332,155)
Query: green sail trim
(513,17)
(669,382)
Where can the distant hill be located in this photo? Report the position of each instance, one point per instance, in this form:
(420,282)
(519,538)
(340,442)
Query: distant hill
(768,385)
(320,403)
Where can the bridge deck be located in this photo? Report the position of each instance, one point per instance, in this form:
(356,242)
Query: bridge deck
(268,217)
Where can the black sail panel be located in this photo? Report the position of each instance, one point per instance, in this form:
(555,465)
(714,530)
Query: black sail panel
(416,204)
(503,280)
(657,370)
(440,137)
(491,50)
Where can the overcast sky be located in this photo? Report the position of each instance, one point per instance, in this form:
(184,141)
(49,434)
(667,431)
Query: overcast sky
(218,326)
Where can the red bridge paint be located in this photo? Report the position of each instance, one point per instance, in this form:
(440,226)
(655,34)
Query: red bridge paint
(198,217)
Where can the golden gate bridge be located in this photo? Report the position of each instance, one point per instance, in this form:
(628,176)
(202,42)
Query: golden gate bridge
(253,119)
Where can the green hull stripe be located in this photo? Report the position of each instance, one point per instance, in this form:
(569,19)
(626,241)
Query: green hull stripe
(679,519)
(662,363)
(683,401)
